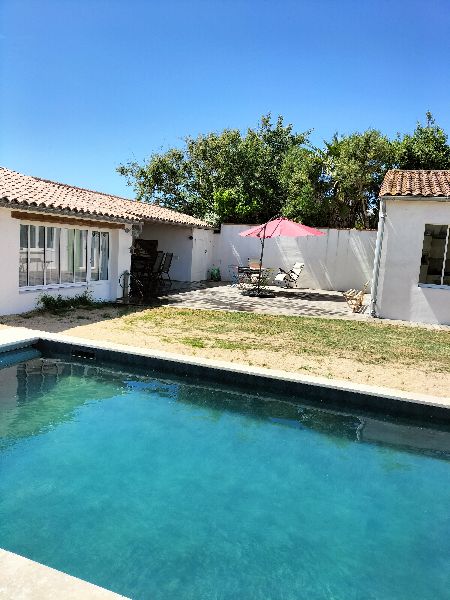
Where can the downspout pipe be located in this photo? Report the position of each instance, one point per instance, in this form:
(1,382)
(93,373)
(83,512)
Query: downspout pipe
(377,259)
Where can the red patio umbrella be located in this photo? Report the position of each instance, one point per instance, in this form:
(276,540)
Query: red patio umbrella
(279,226)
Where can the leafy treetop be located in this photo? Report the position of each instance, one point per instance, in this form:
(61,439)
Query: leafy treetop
(250,177)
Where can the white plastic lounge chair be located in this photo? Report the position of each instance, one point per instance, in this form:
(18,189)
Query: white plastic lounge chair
(289,279)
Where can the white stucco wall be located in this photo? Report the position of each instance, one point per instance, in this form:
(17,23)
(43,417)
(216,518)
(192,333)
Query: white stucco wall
(13,300)
(202,254)
(176,239)
(120,258)
(340,260)
(399,295)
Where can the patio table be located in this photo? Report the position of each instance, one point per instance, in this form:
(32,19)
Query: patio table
(251,280)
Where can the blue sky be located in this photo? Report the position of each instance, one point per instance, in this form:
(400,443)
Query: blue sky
(88,84)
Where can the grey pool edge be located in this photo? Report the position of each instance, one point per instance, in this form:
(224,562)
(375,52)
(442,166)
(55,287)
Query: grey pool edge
(322,392)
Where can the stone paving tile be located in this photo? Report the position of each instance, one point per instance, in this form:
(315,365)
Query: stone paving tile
(293,302)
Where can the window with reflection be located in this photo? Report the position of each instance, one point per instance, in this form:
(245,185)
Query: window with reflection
(52,255)
(99,256)
(23,255)
(435,263)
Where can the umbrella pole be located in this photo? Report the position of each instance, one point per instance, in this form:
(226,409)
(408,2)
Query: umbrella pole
(261,258)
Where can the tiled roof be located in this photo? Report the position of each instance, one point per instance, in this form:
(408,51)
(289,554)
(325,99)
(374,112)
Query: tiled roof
(429,184)
(32,192)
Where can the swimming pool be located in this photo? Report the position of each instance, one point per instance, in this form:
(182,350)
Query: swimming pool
(155,488)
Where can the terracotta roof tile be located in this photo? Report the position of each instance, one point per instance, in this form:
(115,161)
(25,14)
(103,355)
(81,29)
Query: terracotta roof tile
(26,191)
(428,184)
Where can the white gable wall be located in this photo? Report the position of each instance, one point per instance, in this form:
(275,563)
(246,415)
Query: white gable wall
(399,295)
(13,300)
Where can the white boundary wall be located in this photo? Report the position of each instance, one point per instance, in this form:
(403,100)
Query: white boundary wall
(340,260)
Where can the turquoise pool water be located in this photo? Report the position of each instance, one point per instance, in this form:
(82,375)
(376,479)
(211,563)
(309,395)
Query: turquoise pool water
(162,490)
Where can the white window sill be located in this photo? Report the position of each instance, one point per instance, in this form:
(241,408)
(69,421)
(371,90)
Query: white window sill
(60,286)
(434,286)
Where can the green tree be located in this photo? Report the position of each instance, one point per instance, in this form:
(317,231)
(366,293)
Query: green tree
(355,167)
(224,177)
(426,148)
(249,177)
(307,189)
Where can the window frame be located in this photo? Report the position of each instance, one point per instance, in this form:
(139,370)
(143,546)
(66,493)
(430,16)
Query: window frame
(446,256)
(63,285)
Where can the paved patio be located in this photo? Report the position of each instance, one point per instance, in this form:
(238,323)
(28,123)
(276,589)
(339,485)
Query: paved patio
(294,302)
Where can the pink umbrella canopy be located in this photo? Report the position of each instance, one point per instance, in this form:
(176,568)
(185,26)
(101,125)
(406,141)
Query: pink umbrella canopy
(280,227)
(275,228)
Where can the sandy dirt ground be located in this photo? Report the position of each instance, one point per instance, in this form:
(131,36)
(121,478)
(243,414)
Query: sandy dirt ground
(109,326)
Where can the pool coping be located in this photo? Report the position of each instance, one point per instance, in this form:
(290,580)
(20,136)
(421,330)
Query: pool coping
(29,580)
(323,392)
(340,393)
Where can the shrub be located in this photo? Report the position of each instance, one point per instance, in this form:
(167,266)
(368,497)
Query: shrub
(60,303)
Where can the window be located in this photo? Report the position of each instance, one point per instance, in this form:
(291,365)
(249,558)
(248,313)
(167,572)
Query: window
(52,255)
(36,254)
(99,256)
(435,263)
(80,254)
(66,254)
(58,255)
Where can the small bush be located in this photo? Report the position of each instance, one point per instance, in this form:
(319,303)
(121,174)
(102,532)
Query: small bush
(59,303)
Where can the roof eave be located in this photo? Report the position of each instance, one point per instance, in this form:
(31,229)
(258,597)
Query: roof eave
(4,203)
(415,198)
(174,223)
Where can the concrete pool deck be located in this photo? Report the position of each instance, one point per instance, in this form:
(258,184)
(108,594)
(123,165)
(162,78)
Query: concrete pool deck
(24,579)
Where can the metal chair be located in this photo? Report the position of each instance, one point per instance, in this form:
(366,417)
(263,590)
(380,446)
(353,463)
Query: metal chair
(157,265)
(233,271)
(165,268)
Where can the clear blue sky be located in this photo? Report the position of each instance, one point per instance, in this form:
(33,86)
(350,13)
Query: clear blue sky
(88,84)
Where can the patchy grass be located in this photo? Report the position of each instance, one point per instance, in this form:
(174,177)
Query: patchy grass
(367,342)
(415,359)
(194,342)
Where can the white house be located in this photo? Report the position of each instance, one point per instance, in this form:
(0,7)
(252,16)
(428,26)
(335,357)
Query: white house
(411,278)
(60,239)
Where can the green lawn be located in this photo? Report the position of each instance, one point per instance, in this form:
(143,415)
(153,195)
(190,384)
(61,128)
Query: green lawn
(367,342)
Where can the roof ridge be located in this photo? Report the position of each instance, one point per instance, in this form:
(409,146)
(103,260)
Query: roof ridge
(419,170)
(68,185)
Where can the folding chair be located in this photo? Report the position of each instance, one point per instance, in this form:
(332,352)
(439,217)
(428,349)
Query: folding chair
(165,268)
(289,279)
(355,298)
